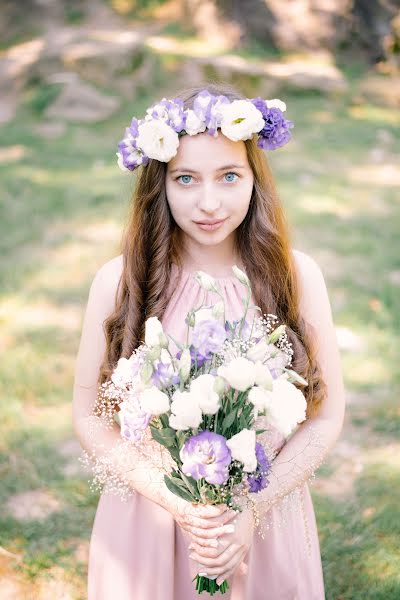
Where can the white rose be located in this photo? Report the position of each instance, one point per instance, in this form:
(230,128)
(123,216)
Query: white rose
(208,399)
(243,448)
(263,376)
(206,281)
(276,103)
(240,119)
(186,412)
(240,373)
(154,401)
(157,140)
(288,406)
(153,332)
(193,125)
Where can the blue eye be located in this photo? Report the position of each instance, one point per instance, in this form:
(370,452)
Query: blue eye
(181,176)
(231,173)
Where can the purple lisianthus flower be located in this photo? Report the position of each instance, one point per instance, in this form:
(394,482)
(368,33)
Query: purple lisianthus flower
(194,355)
(170,111)
(276,130)
(130,155)
(133,420)
(208,337)
(162,374)
(205,107)
(258,481)
(232,329)
(261,105)
(206,455)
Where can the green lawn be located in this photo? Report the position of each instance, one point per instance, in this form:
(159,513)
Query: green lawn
(63,202)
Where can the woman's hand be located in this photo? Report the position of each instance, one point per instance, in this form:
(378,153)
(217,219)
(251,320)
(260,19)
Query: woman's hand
(223,560)
(203,522)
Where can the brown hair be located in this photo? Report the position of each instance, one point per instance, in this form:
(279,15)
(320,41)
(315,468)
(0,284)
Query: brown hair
(151,243)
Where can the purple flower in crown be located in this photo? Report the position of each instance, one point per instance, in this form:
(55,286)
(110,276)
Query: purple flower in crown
(208,338)
(276,130)
(206,455)
(258,480)
(170,111)
(206,107)
(129,155)
(261,105)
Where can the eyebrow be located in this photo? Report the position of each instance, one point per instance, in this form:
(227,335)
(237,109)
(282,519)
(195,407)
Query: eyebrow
(219,169)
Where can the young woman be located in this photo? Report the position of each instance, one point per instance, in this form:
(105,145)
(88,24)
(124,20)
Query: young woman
(205,200)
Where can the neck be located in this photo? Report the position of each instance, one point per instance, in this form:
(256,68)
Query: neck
(217,260)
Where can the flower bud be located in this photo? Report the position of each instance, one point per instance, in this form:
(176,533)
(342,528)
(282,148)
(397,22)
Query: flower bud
(241,275)
(146,372)
(185,362)
(206,281)
(218,310)
(276,334)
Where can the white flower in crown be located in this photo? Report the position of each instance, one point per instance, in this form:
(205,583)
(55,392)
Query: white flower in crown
(157,140)
(240,119)
(194,125)
(276,103)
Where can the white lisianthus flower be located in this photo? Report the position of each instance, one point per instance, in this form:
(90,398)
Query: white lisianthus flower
(258,351)
(263,376)
(288,406)
(240,119)
(241,275)
(153,332)
(260,397)
(243,448)
(203,314)
(240,373)
(193,125)
(206,281)
(276,103)
(208,399)
(124,372)
(186,412)
(157,140)
(154,401)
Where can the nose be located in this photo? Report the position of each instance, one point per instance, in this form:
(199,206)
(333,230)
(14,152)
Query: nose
(208,200)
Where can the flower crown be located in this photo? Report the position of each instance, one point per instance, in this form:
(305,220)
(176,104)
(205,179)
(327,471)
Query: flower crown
(157,135)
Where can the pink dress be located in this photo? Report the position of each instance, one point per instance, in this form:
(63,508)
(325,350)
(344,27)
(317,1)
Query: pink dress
(138,552)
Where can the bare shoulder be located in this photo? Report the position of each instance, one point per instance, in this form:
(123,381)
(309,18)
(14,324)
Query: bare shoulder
(314,301)
(306,266)
(105,283)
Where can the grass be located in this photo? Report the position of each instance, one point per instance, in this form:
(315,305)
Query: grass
(63,205)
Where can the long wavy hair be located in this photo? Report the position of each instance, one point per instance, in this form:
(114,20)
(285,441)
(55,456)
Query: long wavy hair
(151,243)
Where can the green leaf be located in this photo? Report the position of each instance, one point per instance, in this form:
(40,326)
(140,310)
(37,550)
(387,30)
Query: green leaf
(229,420)
(191,484)
(177,487)
(260,431)
(165,437)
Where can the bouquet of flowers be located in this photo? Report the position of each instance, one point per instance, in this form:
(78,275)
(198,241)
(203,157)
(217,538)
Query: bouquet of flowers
(201,400)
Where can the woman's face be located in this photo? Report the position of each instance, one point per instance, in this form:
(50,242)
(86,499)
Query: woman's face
(209,184)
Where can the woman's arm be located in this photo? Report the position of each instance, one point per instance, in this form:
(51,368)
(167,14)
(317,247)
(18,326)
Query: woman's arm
(305,451)
(111,455)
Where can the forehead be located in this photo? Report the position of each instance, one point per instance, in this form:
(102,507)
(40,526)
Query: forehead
(203,151)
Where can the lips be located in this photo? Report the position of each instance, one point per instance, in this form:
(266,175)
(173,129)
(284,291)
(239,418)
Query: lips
(214,222)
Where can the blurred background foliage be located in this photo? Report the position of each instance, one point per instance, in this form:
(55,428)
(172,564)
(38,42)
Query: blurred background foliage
(72,74)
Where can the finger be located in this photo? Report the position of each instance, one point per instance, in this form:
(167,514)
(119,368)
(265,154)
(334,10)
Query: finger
(206,510)
(242,568)
(226,569)
(208,550)
(210,533)
(220,562)
(228,572)
(204,523)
